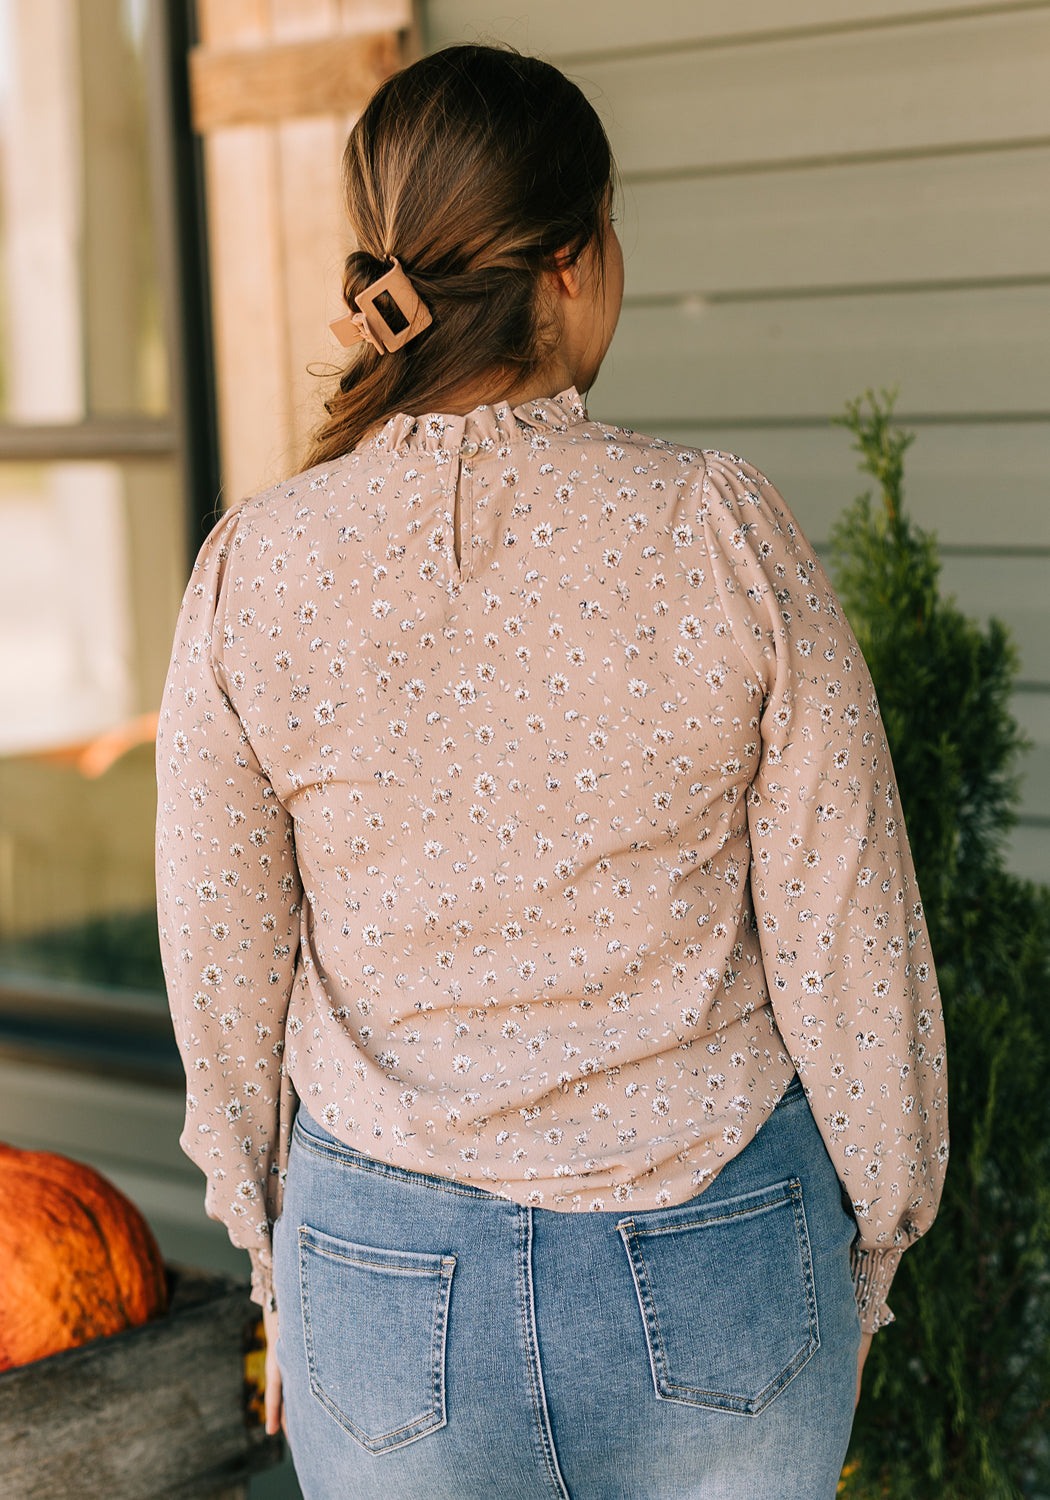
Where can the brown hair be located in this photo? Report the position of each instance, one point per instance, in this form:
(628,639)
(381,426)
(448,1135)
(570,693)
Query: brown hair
(479,169)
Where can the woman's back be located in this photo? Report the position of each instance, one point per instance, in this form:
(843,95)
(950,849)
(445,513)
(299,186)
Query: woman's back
(517,787)
(526,822)
(516,784)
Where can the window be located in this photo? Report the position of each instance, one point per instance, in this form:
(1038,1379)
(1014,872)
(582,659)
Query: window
(101,437)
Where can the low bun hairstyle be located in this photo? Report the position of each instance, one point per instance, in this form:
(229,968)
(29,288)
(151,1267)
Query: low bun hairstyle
(479,169)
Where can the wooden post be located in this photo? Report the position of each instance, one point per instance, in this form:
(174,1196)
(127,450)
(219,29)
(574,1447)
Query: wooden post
(275,88)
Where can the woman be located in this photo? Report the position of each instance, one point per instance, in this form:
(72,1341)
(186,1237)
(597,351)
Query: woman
(525,812)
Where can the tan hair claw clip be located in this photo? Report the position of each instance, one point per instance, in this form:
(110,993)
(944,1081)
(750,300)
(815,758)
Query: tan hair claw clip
(390,314)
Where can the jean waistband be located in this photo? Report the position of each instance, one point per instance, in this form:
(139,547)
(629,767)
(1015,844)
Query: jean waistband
(318,1139)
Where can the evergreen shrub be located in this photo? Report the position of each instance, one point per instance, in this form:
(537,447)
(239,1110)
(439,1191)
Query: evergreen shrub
(956,1400)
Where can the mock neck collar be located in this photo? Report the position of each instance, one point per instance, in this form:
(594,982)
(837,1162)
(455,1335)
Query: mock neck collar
(487,425)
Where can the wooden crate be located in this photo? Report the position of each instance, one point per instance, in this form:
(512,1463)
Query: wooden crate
(169,1411)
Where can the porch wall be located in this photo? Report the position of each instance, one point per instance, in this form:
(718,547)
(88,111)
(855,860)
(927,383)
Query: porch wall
(822,198)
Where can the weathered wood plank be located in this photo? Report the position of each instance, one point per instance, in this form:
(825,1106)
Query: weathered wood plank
(158,1411)
(950,83)
(875,223)
(554,29)
(296,20)
(226,22)
(290,19)
(316,241)
(980,351)
(275,222)
(243,86)
(223,23)
(248,307)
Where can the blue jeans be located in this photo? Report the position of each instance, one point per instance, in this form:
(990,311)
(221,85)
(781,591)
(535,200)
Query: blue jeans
(442,1343)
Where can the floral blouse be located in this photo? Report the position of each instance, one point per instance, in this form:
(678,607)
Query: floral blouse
(525,810)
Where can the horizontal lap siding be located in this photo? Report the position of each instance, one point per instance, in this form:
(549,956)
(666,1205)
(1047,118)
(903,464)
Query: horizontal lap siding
(1027,851)
(786,358)
(823,198)
(932,87)
(1033,714)
(924,221)
(556,29)
(981,486)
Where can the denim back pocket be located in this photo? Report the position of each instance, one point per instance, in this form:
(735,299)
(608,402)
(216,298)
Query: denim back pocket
(727,1299)
(375,1336)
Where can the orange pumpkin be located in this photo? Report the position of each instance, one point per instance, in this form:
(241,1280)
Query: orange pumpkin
(77,1259)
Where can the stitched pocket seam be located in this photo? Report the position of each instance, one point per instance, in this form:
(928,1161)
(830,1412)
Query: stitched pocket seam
(783,1195)
(425,1422)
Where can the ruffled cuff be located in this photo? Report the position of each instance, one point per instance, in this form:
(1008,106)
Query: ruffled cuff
(262,1280)
(873,1270)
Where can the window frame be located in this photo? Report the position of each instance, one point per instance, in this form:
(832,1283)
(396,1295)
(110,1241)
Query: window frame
(84,1026)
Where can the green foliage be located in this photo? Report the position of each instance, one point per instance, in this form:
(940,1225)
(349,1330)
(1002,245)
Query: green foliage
(956,1400)
(121,950)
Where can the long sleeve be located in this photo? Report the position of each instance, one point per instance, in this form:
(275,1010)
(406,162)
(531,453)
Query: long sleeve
(229,900)
(844,942)
(504,771)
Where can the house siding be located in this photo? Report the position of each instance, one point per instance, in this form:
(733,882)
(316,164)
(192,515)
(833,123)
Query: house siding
(852,200)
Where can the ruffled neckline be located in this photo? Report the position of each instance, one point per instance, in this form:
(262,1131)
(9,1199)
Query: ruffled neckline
(485,425)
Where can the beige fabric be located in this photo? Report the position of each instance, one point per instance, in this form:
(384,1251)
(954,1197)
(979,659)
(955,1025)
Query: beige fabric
(524,801)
